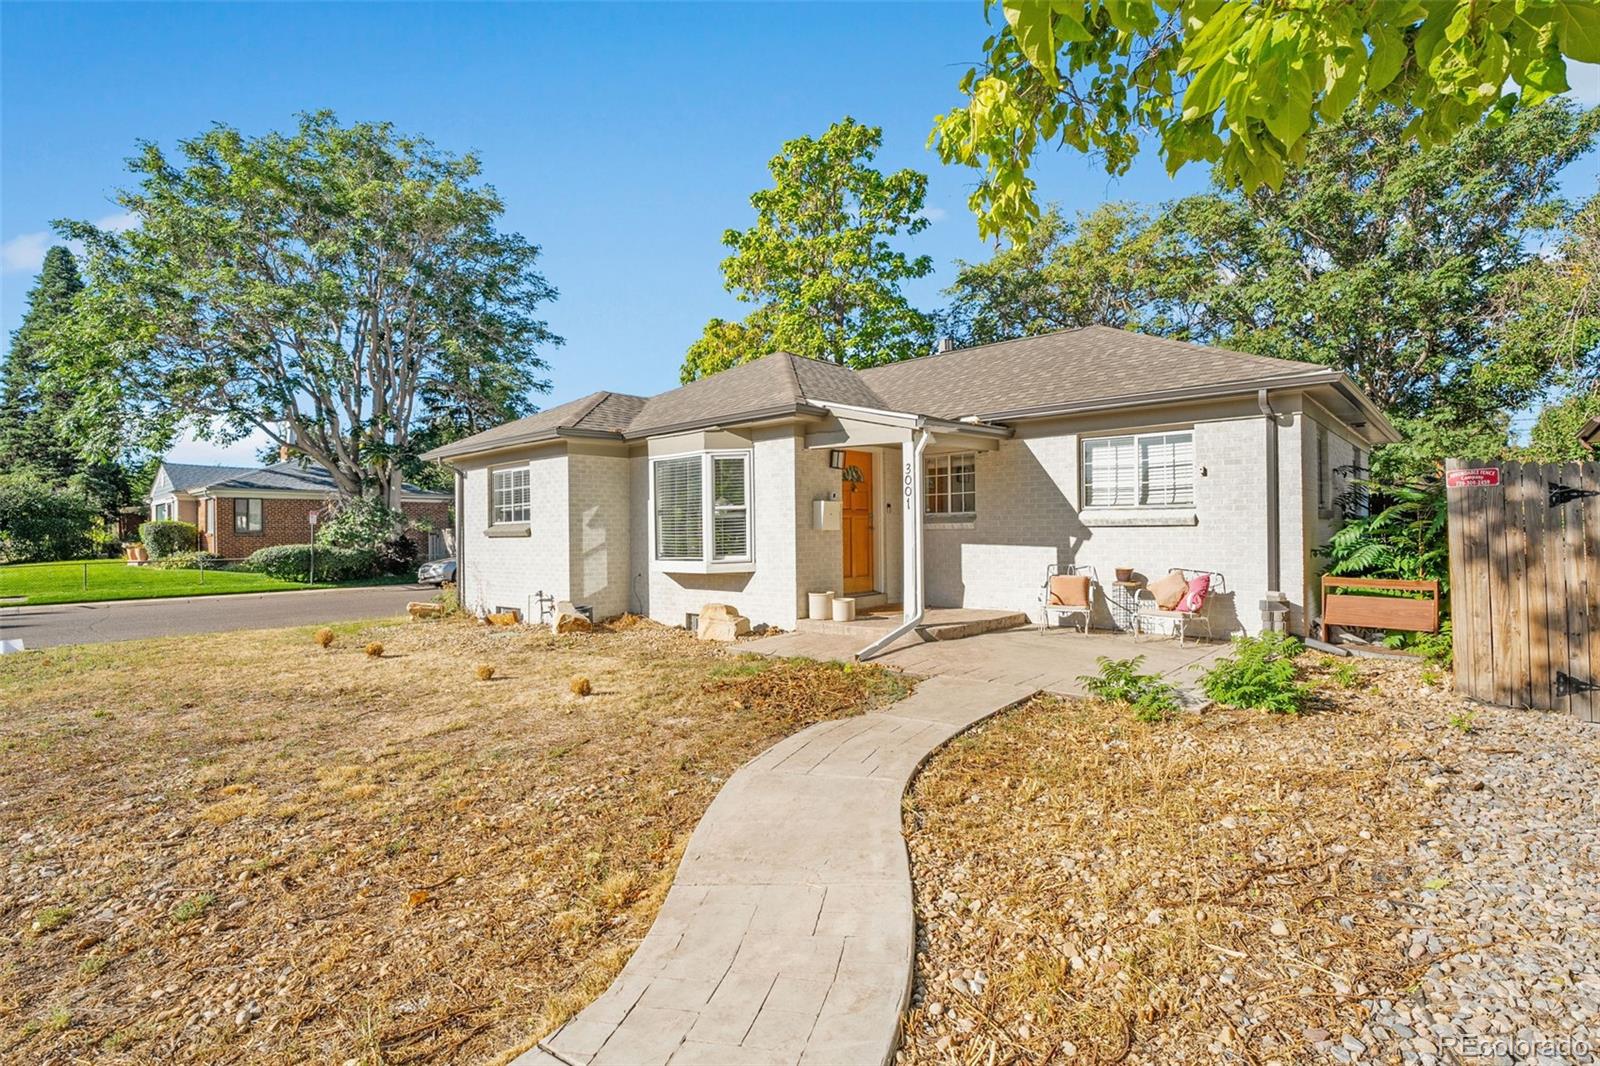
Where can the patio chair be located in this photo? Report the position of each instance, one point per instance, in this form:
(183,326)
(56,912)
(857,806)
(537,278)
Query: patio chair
(1066,595)
(1193,605)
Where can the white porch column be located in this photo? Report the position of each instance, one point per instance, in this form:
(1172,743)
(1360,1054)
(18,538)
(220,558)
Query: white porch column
(912,492)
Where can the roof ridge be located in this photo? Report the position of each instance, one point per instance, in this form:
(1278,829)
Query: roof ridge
(990,344)
(794,375)
(600,397)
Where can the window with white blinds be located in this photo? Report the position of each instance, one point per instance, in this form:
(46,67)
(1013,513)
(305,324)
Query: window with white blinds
(511,499)
(730,513)
(1139,470)
(680,531)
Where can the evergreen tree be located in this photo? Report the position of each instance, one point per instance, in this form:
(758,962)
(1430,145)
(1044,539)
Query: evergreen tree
(30,435)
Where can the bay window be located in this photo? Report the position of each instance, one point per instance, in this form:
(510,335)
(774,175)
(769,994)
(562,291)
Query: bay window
(686,491)
(1139,470)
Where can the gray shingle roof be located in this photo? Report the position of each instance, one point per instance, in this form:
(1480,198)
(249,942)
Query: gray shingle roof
(598,412)
(279,477)
(1078,366)
(187,476)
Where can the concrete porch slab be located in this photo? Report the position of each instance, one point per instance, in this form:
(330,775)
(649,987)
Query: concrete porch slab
(1050,660)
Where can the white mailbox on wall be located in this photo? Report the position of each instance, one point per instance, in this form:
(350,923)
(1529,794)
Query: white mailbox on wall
(825,514)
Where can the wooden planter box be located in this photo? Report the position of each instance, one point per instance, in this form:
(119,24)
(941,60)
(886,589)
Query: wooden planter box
(1419,614)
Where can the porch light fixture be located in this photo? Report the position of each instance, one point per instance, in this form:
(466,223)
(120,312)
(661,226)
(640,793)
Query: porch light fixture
(835,459)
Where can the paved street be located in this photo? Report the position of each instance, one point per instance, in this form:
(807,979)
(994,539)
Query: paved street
(95,623)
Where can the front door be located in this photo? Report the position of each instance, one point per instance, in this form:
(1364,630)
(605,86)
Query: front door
(856,491)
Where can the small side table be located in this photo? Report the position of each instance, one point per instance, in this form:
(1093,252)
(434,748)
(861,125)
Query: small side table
(1124,603)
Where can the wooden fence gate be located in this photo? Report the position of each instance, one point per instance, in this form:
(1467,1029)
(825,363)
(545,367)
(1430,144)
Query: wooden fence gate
(1525,583)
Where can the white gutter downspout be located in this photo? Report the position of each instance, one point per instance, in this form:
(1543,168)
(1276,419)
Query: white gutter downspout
(1275,606)
(912,497)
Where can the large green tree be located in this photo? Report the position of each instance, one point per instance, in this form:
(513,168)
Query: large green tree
(31,436)
(1099,270)
(1240,84)
(333,288)
(820,263)
(1414,270)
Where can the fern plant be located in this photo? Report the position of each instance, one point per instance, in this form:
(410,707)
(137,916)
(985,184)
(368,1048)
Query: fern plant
(1260,674)
(1119,681)
(1395,531)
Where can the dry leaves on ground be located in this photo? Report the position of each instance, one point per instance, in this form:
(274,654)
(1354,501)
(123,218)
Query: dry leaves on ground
(1093,889)
(246,848)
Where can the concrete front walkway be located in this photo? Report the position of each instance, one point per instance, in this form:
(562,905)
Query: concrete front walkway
(788,934)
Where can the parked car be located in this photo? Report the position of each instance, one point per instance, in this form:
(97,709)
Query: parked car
(437,572)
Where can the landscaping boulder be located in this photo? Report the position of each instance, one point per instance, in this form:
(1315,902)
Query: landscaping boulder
(568,619)
(719,621)
(419,610)
(502,618)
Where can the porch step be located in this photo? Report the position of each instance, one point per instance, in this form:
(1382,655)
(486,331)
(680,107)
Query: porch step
(955,629)
(867,601)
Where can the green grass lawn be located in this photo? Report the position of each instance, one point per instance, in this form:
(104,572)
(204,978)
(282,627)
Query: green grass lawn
(113,579)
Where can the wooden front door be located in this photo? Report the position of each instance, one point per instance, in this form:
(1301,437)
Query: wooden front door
(856,493)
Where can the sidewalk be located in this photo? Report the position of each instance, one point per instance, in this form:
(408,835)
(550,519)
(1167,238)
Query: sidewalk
(788,935)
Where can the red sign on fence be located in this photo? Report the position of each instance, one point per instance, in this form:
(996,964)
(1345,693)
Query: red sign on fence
(1478,477)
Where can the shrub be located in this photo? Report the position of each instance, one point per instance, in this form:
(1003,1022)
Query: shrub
(292,562)
(1119,681)
(188,561)
(580,686)
(374,650)
(40,524)
(1260,674)
(164,536)
(484,671)
(367,524)
(324,638)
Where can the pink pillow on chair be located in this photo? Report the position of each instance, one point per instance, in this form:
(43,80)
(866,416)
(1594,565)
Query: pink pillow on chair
(1195,598)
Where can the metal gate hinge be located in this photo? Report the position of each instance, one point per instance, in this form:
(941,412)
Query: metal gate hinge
(1567,685)
(1560,494)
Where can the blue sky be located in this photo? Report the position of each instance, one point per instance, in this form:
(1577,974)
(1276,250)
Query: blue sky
(624,138)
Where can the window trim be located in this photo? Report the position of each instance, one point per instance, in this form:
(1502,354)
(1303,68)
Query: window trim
(948,515)
(1139,480)
(261,512)
(495,519)
(708,561)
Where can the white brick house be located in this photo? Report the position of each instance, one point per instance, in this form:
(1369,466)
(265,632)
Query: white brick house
(785,476)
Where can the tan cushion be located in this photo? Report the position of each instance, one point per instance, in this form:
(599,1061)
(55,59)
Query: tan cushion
(1169,590)
(1069,590)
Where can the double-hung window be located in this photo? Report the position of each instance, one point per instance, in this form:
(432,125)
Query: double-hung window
(701,508)
(952,485)
(247,516)
(1139,470)
(510,501)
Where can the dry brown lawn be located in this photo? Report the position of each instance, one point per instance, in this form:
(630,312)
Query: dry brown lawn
(1221,887)
(246,848)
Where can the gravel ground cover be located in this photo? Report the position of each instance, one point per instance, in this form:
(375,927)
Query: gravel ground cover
(249,848)
(1394,877)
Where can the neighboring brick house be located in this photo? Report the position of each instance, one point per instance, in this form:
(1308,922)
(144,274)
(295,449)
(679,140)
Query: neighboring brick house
(241,509)
(784,476)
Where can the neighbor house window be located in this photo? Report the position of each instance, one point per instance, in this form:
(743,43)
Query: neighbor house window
(1139,470)
(510,497)
(952,485)
(247,516)
(687,488)
(163,512)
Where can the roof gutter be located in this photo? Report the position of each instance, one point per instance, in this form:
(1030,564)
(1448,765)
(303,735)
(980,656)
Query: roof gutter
(765,414)
(884,416)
